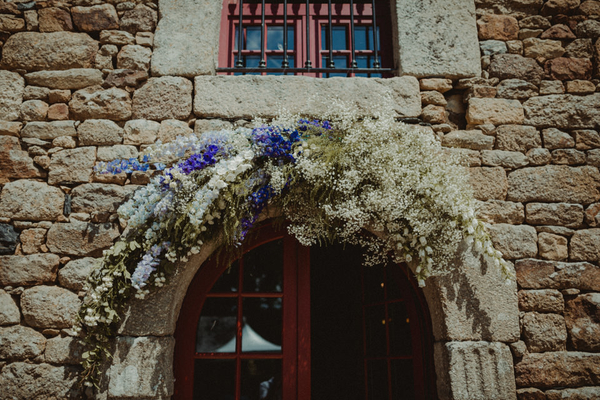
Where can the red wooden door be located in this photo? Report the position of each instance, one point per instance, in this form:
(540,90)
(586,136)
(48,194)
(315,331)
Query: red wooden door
(244,331)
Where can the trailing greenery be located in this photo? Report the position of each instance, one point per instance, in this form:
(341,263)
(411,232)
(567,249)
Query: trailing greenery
(334,179)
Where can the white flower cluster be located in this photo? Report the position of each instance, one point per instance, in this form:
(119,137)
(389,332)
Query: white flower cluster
(394,179)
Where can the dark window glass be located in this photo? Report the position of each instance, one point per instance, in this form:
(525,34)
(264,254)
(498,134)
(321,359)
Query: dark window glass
(403,386)
(217,326)
(377,380)
(228,281)
(400,340)
(375,328)
(263,268)
(214,379)
(262,324)
(261,380)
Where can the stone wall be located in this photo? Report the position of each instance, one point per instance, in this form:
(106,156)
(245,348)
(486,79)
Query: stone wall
(79,84)
(533,144)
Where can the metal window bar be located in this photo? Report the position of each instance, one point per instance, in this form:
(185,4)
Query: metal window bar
(329,68)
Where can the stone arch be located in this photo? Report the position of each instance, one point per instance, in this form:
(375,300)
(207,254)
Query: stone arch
(473,310)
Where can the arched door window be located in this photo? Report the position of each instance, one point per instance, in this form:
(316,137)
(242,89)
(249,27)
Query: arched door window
(288,322)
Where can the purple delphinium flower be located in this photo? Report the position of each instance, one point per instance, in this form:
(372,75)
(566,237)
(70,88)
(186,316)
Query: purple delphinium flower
(147,265)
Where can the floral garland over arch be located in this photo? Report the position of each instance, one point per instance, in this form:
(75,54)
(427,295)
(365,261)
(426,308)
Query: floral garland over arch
(331,177)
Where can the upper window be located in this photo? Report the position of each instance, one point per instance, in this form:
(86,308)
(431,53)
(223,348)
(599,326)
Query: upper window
(286,322)
(313,38)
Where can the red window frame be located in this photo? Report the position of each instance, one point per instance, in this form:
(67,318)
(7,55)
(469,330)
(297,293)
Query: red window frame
(296,16)
(296,346)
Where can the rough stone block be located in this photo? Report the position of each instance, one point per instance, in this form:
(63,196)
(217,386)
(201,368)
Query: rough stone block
(555,139)
(20,343)
(12,86)
(516,89)
(488,183)
(474,370)
(188,31)
(14,162)
(592,215)
(134,57)
(142,367)
(34,110)
(99,198)
(543,301)
(514,66)
(474,140)
(170,129)
(552,369)
(582,315)
(544,332)
(74,275)
(585,245)
(568,157)
(78,78)
(10,128)
(141,131)
(32,240)
(31,201)
(9,312)
(95,18)
(554,183)
(249,96)
(25,270)
(538,274)
(97,103)
(144,18)
(542,49)
(569,215)
(587,139)
(72,166)
(500,212)
(22,381)
(49,307)
(514,241)
(118,151)
(54,19)
(33,51)
(498,27)
(505,159)
(163,98)
(118,38)
(99,132)
(517,138)
(582,393)
(48,130)
(563,111)
(80,238)
(64,350)
(553,247)
(437,38)
(494,111)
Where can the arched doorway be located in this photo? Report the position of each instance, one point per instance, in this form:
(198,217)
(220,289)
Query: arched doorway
(286,321)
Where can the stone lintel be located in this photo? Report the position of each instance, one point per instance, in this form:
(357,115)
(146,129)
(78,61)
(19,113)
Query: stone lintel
(262,96)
